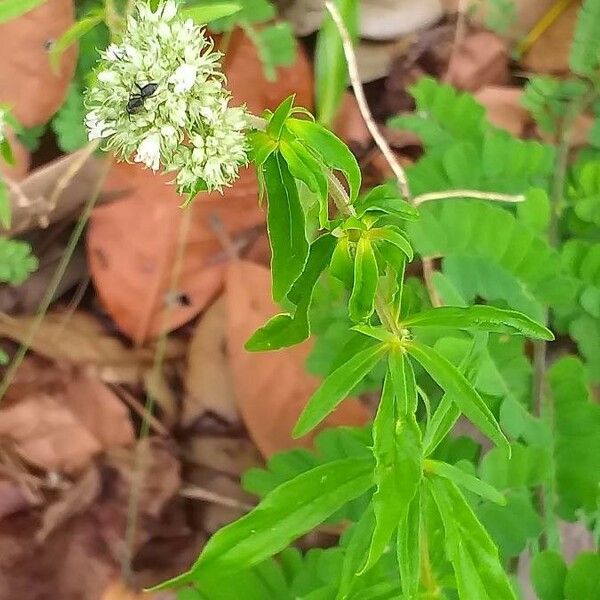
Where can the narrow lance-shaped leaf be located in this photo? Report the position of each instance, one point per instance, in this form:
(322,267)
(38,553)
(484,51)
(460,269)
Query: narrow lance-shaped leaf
(278,118)
(332,150)
(447,412)
(382,199)
(210,12)
(5,212)
(465,480)
(11,9)
(366,276)
(75,32)
(337,386)
(403,377)
(480,317)
(286,330)
(286,226)
(398,469)
(330,63)
(393,236)
(286,513)
(479,572)
(453,382)
(409,547)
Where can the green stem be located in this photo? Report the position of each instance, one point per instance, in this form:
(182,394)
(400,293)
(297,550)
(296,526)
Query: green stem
(53,286)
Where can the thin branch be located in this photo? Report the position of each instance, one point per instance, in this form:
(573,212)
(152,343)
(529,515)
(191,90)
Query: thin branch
(199,493)
(362,101)
(472,194)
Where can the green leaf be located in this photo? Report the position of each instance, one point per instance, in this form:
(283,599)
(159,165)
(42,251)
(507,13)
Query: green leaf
(5,209)
(336,387)
(286,329)
(409,547)
(548,573)
(403,378)
(11,9)
(332,150)
(585,49)
(480,317)
(366,277)
(206,13)
(577,438)
(454,383)
(276,47)
(583,578)
(262,147)
(477,567)
(75,32)
(394,237)
(447,412)
(16,261)
(286,227)
(283,515)
(68,123)
(277,120)
(6,152)
(331,71)
(465,480)
(384,199)
(356,553)
(398,470)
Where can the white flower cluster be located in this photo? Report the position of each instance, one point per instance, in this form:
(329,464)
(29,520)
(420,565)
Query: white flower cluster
(160,98)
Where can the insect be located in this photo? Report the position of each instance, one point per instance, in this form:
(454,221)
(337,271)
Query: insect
(136,101)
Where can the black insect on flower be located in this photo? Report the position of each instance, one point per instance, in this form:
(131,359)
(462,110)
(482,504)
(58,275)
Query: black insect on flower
(136,101)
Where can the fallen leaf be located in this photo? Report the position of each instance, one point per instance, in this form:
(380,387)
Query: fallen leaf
(80,339)
(550,52)
(349,124)
(27,82)
(63,430)
(208,385)
(74,501)
(247,81)
(132,266)
(119,591)
(504,109)
(13,498)
(231,456)
(389,19)
(271,388)
(54,192)
(480,59)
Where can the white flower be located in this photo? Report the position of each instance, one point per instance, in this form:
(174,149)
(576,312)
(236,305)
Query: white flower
(183,78)
(149,152)
(97,128)
(113,52)
(180,118)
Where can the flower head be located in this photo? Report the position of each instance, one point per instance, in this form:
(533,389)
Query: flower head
(160,99)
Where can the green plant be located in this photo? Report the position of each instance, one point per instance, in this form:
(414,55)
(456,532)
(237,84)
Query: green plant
(429,515)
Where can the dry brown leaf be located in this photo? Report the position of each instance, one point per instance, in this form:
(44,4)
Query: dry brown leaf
(119,591)
(13,498)
(232,456)
(208,385)
(271,388)
(550,53)
(63,430)
(132,266)
(248,84)
(74,501)
(480,59)
(504,109)
(27,82)
(81,340)
(350,125)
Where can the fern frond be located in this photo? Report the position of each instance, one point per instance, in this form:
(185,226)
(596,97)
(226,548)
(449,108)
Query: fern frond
(16,261)
(585,49)
(482,231)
